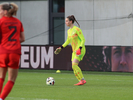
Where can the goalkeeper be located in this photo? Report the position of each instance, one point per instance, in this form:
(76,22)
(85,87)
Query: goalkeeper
(76,38)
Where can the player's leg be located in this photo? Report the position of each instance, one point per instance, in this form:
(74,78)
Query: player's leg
(2,77)
(77,70)
(3,69)
(12,74)
(74,70)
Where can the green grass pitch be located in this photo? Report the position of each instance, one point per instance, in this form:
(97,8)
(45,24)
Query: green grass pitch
(31,85)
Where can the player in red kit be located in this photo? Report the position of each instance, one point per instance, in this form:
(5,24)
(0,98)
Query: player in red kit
(11,36)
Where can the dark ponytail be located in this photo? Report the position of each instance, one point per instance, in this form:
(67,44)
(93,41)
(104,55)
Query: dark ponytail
(72,18)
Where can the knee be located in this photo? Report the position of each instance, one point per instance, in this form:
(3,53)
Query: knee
(12,74)
(12,78)
(3,74)
(74,65)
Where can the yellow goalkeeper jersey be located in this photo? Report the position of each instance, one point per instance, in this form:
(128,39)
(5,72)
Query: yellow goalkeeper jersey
(76,38)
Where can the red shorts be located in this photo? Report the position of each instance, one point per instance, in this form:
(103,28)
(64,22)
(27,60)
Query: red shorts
(9,60)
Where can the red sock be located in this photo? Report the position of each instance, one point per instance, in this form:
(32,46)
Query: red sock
(6,90)
(1,84)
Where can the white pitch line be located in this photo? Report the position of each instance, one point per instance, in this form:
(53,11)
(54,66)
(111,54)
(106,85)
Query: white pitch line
(17,98)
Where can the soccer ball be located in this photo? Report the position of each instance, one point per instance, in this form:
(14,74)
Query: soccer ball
(50,81)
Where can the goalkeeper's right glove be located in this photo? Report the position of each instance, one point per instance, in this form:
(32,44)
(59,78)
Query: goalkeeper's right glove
(57,51)
(78,52)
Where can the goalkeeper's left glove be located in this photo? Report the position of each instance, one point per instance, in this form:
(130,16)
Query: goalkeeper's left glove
(78,52)
(58,50)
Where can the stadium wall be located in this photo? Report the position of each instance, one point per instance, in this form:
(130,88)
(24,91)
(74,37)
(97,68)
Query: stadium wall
(43,57)
(34,16)
(97,58)
(103,22)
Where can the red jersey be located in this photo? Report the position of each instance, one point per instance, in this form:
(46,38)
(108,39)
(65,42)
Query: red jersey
(10,29)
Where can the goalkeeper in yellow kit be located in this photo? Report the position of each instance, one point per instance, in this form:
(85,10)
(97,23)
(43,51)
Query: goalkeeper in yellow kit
(76,38)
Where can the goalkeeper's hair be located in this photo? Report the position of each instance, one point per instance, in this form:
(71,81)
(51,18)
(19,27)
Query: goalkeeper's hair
(11,8)
(73,19)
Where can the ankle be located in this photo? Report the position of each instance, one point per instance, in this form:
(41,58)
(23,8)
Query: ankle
(83,78)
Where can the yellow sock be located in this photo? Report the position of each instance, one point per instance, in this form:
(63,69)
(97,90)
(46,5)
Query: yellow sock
(77,71)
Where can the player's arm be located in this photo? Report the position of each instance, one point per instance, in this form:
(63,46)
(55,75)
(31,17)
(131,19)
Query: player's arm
(22,37)
(81,36)
(66,43)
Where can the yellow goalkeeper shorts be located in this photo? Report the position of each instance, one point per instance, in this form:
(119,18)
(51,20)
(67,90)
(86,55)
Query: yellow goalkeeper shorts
(80,57)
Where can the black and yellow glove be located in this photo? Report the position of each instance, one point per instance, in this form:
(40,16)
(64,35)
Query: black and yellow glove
(57,51)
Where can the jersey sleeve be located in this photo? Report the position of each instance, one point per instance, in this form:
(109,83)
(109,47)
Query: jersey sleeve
(67,42)
(22,28)
(81,36)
